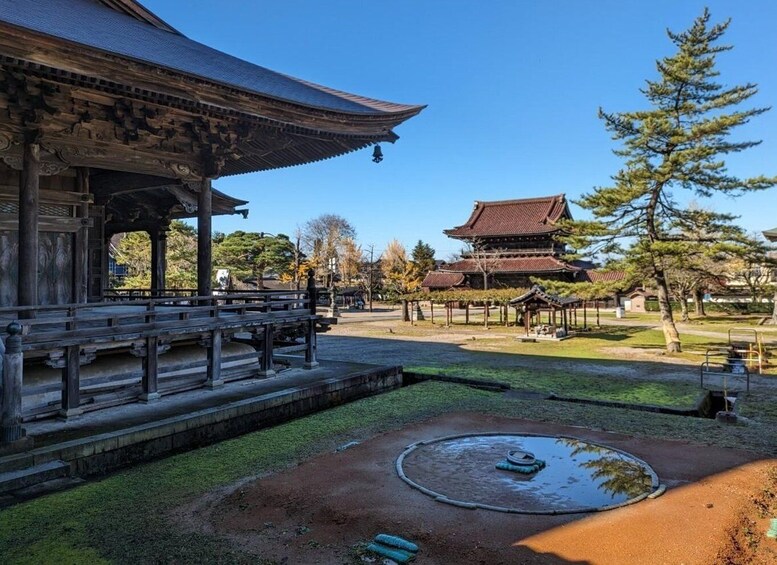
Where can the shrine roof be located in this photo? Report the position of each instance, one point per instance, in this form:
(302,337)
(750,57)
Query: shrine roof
(441,279)
(126,29)
(528,216)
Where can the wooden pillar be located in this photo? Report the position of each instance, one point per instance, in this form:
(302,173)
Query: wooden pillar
(81,241)
(204,250)
(27,292)
(585,315)
(312,292)
(11,373)
(466,314)
(311,360)
(158,260)
(71,375)
(431,310)
(265,368)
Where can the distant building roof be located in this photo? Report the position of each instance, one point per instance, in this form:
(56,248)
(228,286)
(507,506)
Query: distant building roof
(526,216)
(107,26)
(440,279)
(542,264)
(771,234)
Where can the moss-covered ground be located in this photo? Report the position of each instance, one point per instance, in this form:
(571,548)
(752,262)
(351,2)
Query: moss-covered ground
(125,518)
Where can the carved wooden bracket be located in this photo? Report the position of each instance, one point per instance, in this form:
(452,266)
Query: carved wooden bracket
(28,101)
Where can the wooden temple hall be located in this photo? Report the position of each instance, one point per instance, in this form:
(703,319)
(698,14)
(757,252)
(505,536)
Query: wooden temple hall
(112,121)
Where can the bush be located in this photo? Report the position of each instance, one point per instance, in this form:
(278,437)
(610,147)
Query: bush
(720,307)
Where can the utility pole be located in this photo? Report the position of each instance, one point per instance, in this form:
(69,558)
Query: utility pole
(296,261)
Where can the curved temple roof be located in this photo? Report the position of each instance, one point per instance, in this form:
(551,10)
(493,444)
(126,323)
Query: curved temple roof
(107,29)
(528,216)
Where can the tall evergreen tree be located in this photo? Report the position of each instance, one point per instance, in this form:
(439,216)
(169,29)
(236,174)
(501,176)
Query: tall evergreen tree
(250,255)
(677,144)
(423,258)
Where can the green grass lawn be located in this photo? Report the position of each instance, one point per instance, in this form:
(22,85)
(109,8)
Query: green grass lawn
(606,388)
(124,517)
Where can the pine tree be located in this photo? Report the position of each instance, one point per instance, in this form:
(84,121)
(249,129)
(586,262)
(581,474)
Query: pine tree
(423,258)
(677,144)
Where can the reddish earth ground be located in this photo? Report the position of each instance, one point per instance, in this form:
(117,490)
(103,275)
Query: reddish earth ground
(323,510)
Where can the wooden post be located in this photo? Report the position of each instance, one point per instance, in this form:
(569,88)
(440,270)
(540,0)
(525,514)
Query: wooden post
(585,315)
(431,310)
(310,346)
(213,367)
(149,383)
(81,240)
(214,379)
(12,373)
(597,313)
(466,314)
(265,368)
(71,375)
(150,379)
(312,292)
(29,191)
(204,250)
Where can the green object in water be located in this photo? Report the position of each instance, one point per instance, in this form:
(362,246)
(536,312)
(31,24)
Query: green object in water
(398,555)
(396,541)
(505,465)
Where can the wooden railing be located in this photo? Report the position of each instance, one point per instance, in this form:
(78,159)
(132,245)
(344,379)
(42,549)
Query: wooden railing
(68,336)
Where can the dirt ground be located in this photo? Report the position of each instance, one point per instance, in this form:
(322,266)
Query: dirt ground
(324,510)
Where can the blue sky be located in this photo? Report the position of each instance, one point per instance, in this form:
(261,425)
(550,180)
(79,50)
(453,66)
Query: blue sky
(513,89)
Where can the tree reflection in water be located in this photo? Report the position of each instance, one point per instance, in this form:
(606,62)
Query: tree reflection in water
(618,474)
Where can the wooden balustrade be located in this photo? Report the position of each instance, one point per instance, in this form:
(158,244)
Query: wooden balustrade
(69,335)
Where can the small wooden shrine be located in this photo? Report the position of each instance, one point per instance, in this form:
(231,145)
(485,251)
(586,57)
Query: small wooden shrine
(113,121)
(557,310)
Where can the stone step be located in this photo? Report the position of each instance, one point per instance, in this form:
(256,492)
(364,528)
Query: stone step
(23,478)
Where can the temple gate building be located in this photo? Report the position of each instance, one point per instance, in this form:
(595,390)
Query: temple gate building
(508,242)
(112,121)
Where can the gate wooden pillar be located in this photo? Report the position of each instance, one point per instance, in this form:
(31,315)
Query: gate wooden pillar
(204,250)
(81,240)
(158,259)
(29,202)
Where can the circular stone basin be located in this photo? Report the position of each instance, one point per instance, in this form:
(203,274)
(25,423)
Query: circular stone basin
(578,476)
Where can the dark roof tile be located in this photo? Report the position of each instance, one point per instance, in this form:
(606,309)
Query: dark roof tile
(96,26)
(440,279)
(513,217)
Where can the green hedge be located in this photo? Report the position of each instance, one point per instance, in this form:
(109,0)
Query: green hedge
(723,307)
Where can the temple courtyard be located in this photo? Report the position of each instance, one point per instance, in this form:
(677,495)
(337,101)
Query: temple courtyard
(317,489)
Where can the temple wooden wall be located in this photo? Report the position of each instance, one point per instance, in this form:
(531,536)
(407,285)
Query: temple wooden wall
(55,265)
